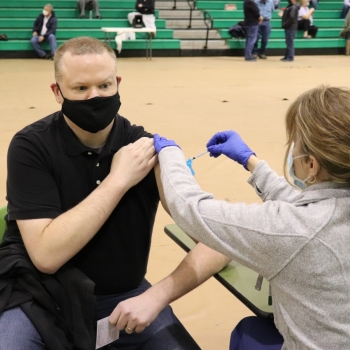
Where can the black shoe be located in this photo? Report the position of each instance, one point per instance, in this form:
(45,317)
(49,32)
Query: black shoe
(254,55)
(99,17)
(250,59)
(263,57)
(48,56)
(287,59)
(81,16)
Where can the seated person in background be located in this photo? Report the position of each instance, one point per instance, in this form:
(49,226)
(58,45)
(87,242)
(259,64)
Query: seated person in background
(305,20)
(44,29)
(345,8)
(145,8)
(83,3)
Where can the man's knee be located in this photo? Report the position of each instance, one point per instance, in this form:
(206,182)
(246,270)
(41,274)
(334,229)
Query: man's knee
(131,16)
(169,333)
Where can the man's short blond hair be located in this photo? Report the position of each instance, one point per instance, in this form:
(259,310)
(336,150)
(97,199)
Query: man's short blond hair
(83,45)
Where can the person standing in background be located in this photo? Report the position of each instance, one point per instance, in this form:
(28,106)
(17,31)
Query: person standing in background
(346,31)
(290,25)
(252,19)
(44,29)
(266,8)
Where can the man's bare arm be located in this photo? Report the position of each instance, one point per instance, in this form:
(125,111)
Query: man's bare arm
(51,243)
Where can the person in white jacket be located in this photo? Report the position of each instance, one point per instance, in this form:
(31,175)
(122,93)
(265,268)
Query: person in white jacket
(298,240)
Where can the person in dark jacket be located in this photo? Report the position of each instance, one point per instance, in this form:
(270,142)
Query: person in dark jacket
(252,19)
(290,26)
(44,29)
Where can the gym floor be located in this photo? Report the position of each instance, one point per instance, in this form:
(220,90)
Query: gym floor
(188,100)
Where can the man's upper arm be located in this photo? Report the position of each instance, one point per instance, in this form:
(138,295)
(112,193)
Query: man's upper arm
(32,191)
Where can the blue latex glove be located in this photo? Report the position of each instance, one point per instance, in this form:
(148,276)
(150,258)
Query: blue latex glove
(231,145)
(161,142)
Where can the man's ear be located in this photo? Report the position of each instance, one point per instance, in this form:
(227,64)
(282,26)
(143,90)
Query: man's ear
(57,93)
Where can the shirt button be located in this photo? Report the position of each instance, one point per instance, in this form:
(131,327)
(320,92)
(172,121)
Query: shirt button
(97,165)
(98,182)
(89,153)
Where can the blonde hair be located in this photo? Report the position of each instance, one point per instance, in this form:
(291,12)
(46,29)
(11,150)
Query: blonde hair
(83,45)
(319,122)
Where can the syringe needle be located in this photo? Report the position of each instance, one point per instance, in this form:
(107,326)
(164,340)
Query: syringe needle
(199,155)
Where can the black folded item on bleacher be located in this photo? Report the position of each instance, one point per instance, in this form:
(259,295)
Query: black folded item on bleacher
(238,30)
(3,37)
(137,21)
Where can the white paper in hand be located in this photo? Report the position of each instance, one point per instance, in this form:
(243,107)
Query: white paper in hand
(106,333)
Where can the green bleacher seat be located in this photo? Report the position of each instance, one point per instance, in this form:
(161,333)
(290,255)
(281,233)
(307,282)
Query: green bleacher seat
(17,18)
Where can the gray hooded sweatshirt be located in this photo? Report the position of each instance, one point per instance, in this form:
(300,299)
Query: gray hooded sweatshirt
(299,241)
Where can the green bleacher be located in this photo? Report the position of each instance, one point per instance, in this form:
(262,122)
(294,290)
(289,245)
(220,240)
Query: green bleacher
(326,18)
(17,18)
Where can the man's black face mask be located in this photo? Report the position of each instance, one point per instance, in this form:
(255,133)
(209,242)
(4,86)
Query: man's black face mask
(92,115)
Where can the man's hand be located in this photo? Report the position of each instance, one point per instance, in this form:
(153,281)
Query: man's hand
(35,33)
(41,38)
(133,162)
(136,313)
(261,19)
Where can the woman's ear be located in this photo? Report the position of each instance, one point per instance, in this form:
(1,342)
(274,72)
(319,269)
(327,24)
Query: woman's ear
(313,165)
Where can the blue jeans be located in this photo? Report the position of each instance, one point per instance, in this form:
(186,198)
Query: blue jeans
(264,32)
(37,48)
(17,332)
(165,333)
(256,333)
(290,35)
(344,11)
(251,36)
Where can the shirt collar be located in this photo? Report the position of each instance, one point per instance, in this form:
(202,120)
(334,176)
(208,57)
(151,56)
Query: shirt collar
(74,147)
(322,191)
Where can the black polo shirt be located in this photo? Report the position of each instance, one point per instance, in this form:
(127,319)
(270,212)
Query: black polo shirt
(50,172)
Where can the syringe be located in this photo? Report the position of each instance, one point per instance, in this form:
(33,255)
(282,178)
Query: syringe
(189,161)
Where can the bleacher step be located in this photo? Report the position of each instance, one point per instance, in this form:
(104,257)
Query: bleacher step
(195,34)
(199,44)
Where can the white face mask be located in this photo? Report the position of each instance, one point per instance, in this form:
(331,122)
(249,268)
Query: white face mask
(45,13)
(297,182)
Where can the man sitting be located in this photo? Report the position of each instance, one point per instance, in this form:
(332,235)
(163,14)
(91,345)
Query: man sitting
(44,29)
(89,5)
(145,8)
